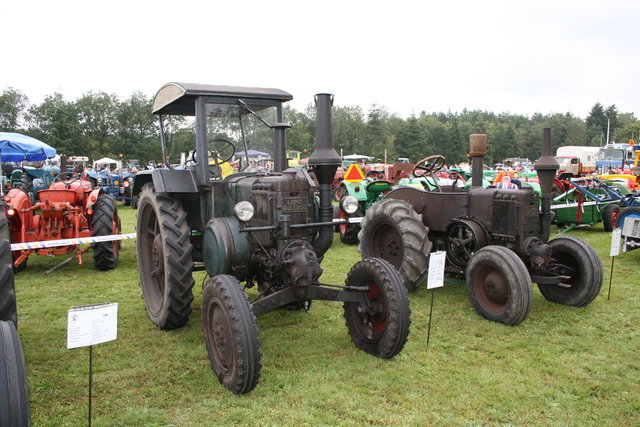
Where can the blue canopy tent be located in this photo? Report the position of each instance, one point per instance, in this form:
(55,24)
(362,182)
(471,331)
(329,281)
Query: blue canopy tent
(16,147)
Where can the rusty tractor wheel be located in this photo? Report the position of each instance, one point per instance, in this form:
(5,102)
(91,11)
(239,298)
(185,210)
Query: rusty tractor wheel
(165,265)
(7,282)
(609,214)
(462,239)
(381,327)
(336,215)
(231,334)
(499,285)
(393,231)
(577,259)
(105,222)
(14,391)
(339,192)
(349,232)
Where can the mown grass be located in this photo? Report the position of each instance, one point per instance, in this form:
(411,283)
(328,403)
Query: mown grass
(561,366)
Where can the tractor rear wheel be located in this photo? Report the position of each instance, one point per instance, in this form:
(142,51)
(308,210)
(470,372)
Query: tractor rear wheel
(26,184)
(7,283)
(609,214)
(105,222)
(14,391)
(165,264)
(393,231)
(231,334)
(381,327)
(574,257)
(499,285)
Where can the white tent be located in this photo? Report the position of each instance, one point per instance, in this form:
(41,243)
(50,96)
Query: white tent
(105,160)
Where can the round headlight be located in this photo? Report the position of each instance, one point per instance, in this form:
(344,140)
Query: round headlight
(244,211)
(349,205)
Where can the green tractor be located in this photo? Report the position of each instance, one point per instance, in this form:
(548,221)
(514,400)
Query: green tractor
(260,233)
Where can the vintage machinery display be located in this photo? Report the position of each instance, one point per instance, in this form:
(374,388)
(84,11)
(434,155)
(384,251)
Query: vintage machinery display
(265,228)
(69,209)
(14,392)
(498,239)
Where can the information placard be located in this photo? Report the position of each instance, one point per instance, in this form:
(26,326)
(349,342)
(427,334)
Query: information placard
(616,236)
(436,270)
(92,324)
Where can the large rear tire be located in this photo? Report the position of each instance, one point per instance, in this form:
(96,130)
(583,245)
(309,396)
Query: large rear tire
(574,257)
(499,285)
(7,284)
(380,328)
(393,231)
(231,334)
(105,222)
(14,391)
(165,265)
(628,212)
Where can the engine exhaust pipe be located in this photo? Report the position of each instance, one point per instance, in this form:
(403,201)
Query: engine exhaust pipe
(477,151)
(325,161)
(547,168)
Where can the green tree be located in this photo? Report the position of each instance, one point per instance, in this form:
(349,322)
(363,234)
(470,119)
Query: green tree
(98,123)
(55,122)
(136,128)
(13,106)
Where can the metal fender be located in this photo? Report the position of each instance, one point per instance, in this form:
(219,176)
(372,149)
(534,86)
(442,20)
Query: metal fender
(357,190)
(227,250)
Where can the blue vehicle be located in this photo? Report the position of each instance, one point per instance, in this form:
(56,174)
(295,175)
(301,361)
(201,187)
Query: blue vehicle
(108,174)
(615,156)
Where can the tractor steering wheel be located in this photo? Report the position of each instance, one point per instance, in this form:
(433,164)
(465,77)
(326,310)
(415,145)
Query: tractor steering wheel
(214,153)
(374,174)
(72,177)
(429,164)
(227,147)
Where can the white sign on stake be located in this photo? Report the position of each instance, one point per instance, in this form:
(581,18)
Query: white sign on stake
(92,324)
(615,242)
(436,270)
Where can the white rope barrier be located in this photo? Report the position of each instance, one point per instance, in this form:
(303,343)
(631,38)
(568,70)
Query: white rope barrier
(67,242)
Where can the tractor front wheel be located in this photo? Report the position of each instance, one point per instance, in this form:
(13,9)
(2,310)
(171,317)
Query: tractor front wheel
(231,334)
(499,285)
(381,326)
(609,215)
(577,259)
(105,222)
(393,231)
(165,265)
(349,232)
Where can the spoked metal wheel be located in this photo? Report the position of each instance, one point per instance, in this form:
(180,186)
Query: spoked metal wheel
(381,326)
(499,285)
(462,240)
(165,265)
(231,334)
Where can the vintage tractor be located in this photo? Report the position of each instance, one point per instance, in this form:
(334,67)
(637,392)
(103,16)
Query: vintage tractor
(498,239)
(69,209)
(14,392)
(265,228)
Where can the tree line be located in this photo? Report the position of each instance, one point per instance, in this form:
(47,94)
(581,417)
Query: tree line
(99,124)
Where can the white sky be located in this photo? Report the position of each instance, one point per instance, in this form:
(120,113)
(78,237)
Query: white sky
(516,56)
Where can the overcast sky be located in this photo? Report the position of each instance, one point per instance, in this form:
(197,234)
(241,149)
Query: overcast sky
(515,56)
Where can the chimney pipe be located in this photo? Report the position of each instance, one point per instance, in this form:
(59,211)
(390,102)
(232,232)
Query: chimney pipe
(325,161)
(546,167)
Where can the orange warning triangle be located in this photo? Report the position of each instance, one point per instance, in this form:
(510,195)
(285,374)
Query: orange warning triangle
(354,173)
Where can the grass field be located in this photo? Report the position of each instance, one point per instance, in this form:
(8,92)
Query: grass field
(561,366)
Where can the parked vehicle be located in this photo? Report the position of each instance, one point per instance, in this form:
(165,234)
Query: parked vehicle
(576,161)
(615,156)
(69,209)
(498,239)
(14,390)
(265,228)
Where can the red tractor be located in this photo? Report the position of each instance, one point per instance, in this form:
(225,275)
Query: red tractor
(69,209)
